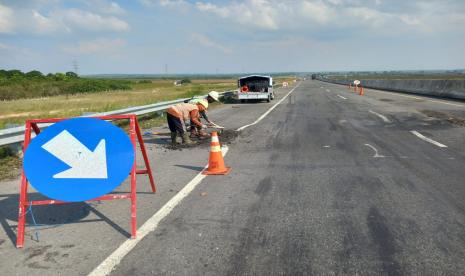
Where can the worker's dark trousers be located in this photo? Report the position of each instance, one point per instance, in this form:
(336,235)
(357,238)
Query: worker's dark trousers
(175,124)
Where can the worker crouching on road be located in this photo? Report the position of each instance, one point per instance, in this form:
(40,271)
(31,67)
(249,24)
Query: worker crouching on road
(178,114)
(213,96)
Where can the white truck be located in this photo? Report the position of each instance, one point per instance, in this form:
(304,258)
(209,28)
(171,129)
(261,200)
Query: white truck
(255,87)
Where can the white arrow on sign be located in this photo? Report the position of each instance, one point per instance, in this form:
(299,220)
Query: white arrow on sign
(83,162)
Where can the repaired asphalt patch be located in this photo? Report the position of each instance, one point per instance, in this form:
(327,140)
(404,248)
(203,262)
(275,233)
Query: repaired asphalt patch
(226,137)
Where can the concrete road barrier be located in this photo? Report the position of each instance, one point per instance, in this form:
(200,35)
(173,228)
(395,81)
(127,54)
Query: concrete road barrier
(453,89)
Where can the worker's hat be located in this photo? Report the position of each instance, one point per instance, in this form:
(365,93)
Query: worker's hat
(204,103)
(214,95)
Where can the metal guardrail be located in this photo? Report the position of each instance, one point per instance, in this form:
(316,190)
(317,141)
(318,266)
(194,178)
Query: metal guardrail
(15,135)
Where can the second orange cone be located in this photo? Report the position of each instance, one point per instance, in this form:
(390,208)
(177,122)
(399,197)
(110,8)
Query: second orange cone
(216,161)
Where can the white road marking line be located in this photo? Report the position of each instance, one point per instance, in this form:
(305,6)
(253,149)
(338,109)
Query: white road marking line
(384,118)
(435,101)
(429,140)
(268,111)
(326,146)
(376,151)
(149,226)
(417,98)
(342,97)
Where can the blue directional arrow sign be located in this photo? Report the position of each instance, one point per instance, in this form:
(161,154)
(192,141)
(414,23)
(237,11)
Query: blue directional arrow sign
(78,159)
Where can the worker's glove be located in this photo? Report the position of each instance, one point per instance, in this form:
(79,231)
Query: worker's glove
(204,126)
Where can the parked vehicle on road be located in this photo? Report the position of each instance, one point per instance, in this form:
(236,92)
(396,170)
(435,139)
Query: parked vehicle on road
(255,87)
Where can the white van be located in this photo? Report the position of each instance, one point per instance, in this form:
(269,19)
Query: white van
(255,87)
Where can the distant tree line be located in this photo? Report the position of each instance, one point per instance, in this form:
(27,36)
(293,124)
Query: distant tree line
(15,84)
(17,75)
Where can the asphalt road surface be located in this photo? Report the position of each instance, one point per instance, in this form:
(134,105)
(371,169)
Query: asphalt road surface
(328,183)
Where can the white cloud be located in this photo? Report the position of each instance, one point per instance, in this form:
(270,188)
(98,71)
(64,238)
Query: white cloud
(101,45)
(259,13)
(42,24)
(91,21)
(172,2)
(164,3)
(370,16)
(6,19)
(67,20)
(318,11)
(32,19)
(104,6)
(360,15)
(224,12)
(209,43)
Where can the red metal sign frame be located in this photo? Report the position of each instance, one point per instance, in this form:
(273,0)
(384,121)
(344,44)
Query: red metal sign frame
(134,133)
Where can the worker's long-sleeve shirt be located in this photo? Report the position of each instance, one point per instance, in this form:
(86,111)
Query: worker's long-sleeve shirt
(186,111)
(204,115)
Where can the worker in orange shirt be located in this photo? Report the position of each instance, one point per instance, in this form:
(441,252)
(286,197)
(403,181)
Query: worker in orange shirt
(178,114)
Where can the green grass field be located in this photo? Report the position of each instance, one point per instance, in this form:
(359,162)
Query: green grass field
(17,111)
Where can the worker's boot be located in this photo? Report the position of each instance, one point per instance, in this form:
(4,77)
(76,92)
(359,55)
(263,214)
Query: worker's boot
(194,133)
(174,135)
(203,135)
(186,140)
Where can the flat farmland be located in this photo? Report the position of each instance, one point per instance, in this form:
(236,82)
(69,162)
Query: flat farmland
(17,111)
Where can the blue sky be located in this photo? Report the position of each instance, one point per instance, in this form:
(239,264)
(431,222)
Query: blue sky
(204,36)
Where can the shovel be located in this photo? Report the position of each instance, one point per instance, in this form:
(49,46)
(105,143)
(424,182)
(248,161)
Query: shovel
(216,126)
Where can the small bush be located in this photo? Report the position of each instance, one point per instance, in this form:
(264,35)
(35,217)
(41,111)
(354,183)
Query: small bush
(5,152)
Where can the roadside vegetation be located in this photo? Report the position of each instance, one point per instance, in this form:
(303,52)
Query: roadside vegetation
(10,164)
(15,84)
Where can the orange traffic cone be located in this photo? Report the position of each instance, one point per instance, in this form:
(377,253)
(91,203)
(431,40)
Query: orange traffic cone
(216,161)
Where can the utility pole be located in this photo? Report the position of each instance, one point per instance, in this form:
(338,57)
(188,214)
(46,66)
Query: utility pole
(76,67)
